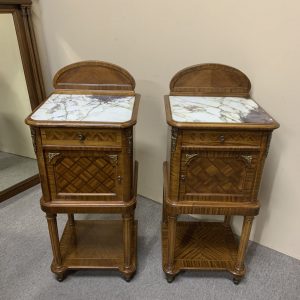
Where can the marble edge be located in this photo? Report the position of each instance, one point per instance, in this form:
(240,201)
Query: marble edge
(50,123)
(172,122)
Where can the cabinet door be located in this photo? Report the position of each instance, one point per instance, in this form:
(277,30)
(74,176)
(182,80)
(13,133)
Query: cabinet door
(83,175)
(218,175)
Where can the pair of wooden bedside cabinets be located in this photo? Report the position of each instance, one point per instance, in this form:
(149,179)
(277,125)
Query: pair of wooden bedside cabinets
(83,139)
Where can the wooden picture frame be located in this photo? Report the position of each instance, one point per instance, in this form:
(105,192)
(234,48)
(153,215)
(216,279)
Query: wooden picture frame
(21,13)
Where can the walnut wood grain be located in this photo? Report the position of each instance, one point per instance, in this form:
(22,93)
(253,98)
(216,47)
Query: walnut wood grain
(205,207)
(222,138)
(97,244)
(171,237)
(93,75)
(200,246)
(210,80)
(213,169)
(56,265)
(81,137)
(218,175)
(88,167)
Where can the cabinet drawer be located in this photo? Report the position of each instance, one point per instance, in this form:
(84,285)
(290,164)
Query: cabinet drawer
(81,137)
(221,138)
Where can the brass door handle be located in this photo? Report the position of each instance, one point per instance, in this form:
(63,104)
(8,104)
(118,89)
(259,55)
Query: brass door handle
(222,138)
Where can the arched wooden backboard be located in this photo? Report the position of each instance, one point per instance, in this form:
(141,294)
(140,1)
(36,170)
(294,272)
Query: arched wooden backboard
(210,80)
(93,75)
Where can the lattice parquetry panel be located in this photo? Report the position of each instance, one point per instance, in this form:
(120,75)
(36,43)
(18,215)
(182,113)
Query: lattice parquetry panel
(85,174)
(215,175)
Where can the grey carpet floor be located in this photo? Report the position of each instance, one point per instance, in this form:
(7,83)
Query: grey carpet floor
(15,168)
(25,257)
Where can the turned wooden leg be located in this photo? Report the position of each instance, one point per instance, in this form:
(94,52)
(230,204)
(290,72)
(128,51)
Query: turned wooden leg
(53,232)
(56,266)
(171,247)
(227,220)
(71,219)
(239,269)
(128,240)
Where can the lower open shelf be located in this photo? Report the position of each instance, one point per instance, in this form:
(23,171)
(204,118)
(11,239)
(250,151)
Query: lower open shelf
(201,245)
(96,244)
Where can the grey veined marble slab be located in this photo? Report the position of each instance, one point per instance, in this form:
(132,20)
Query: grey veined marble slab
(217,110)
(93,108)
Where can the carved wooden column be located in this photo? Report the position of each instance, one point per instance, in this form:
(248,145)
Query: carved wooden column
(128,219)
(171,246)
(56,266)
(244,239)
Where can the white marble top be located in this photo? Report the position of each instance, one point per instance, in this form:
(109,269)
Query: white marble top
(90,108)
(217,110)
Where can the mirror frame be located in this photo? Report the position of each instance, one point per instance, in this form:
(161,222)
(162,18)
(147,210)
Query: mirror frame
(21,13)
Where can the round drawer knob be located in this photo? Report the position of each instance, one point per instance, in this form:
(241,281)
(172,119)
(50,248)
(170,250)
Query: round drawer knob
(81,137)
(222,138)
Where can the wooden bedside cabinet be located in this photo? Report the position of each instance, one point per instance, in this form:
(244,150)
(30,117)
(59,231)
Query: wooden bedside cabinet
(83,138)
(219,139)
